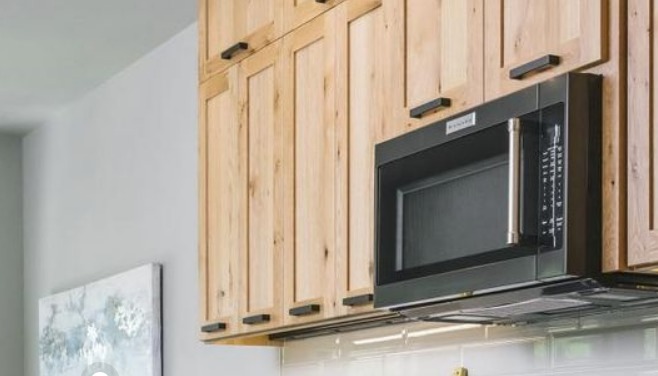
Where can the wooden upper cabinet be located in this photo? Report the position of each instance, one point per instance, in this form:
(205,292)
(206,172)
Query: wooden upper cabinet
(269,190)
(298,12)
(288,129)
(235,29)
(364,118)
(309,102)
(223,202)
(521,35)
(642,131)
(246,200)
(437,57)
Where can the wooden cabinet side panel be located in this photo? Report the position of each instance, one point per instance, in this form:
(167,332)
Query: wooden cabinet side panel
(614,125)
(223,199)
(204,39)
(642,234)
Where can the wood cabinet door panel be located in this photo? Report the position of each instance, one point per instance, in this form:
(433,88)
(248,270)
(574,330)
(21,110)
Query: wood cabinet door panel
(309,101)
(364,119)
(642,134)
(224,23)
(269,189)
(223,159)
(520,31)
(437,52)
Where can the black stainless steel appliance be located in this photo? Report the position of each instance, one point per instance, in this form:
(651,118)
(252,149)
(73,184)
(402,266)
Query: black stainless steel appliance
(494,215)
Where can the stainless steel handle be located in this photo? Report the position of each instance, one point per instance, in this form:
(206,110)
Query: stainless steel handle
(513,232)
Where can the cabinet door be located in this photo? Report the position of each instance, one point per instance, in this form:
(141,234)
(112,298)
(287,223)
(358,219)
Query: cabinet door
(438,57)
(309,101)
(224,24)
(642,133)
(223,202)
(298,12)
(521,34)
(269,190)
(364,118)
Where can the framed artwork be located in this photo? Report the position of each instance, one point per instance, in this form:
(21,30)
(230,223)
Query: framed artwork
(112,327)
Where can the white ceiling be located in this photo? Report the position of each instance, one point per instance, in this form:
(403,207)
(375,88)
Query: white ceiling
(53,51)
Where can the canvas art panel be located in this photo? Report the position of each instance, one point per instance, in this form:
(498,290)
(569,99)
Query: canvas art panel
(110,327)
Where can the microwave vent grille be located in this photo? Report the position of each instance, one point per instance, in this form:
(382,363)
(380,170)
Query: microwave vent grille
(539,305)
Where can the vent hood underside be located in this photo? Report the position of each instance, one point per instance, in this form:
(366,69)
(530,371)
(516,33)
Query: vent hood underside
(532,304)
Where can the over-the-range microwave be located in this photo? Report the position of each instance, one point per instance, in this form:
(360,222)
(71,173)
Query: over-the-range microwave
(494,215)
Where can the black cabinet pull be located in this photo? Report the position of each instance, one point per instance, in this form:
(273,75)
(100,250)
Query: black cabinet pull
(234,49)
(431,106)
(256,319)
(537,65)
(304,310)
(321,1)
(358,300)
(211,328)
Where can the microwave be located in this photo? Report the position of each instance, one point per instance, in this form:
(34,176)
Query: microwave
(494,214)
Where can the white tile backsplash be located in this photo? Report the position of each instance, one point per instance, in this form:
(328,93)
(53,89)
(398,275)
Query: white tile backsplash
(613,344)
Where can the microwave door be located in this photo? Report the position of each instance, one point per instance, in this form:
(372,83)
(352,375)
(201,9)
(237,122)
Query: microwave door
(481,202)
(462,204)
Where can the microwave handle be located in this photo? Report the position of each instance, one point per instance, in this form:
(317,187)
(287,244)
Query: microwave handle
(513,231)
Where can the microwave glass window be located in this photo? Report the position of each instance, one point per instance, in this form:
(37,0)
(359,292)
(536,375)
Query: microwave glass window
(456,213)
(444,205)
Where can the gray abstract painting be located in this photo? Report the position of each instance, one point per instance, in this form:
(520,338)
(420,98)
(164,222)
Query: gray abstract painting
(111,327)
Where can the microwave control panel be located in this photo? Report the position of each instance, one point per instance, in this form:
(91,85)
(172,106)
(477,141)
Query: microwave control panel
(551,211)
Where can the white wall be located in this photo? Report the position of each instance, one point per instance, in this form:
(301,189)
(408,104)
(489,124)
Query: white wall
(110,184)
(11,257)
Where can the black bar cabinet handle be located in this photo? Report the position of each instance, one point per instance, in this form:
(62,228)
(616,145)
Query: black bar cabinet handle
(256,319)
(431,106)
(211,328)
(321,1)
(358,300)
(304,310)
(234,49)
(536,65)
